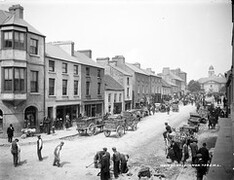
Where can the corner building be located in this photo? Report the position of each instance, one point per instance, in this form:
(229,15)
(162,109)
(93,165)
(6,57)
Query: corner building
(22,52)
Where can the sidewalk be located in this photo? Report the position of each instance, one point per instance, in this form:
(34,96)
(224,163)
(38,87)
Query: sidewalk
(46,137)
(223,159)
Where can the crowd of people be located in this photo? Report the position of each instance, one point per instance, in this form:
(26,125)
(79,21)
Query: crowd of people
(102,160)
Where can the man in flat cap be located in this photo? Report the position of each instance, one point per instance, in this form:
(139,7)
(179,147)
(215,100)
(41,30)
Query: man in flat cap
(39,147)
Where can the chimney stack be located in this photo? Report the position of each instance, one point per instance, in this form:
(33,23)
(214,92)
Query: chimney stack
(137,65)
(67,46)
(88,53)
(17,10)
(103,61)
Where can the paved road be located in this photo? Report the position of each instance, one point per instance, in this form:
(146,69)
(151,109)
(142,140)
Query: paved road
(79,151)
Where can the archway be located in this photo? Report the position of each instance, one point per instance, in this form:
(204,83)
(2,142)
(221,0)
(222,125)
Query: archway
(30,116)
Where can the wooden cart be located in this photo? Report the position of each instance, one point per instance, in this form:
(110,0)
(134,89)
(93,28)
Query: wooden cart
(131,119)
(114,123)
(89,125)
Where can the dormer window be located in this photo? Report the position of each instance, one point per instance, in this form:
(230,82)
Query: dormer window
(14,39)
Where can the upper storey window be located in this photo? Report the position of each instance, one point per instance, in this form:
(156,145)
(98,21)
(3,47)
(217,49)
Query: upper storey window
(14,39)
(33,46)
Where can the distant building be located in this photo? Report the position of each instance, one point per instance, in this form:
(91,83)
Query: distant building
(212,83)
(114,96)
(22,51)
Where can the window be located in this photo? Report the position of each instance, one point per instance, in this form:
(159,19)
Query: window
(64,68)
(87,88)
(51,66)
(14,39)
(8,40)
(127,92)
(120,97)
(8,79)
(34,81)
(99,88)
(76,69)
(128,81)
(115,97)
(109,97)
(64,87)
(99,73)
(75,87)
(51,86)
(14,79)
(33,46)
(87,71)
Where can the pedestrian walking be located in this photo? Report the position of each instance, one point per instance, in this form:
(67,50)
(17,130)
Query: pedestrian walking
(200,167)
(10,133)
(57,154)
(177,151)
(14,152)
(194,150)
(116,161)
(19,152)
(168,131)
(39,147)
(124,163)
(105,166)
(204,152)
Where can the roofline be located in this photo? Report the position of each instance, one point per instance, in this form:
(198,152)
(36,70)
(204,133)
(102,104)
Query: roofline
(120,71)
(114,89)
(2,25)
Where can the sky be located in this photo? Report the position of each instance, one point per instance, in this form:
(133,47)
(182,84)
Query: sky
(188,34)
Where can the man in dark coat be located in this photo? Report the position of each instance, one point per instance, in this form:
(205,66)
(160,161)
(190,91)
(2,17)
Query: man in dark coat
(200,166)
(116,161)
(177,151)
(105,166)
(14,152)
(124,163)
(205,153)
(39,147)
(10,133)
(194,150)
(168,130)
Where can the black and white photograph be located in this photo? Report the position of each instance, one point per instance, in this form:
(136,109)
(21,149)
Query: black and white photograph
(116,89)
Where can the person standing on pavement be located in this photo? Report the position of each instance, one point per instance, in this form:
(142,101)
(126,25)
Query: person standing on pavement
(39,147)
(177,151)
(123,163)
(185,152)
(116,161)
(57,154)
(14,152)
(205,154)
(10,133)
(201,169)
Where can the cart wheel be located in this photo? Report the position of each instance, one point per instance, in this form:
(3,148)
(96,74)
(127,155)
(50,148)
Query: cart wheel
(107,133)
(134,127)
(91,129)
(120,131)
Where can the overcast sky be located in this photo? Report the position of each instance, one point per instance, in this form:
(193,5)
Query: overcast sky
(186,34)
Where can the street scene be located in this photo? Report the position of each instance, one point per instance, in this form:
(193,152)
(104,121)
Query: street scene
(138,90)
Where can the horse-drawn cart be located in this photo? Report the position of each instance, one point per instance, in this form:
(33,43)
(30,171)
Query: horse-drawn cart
(114,123)
(89,125)
(131,119)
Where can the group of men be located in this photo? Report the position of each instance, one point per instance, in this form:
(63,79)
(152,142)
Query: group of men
(102,160)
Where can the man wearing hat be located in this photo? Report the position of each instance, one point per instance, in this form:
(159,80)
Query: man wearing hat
(57,154)
(39,147)
(116,161)
(200,166)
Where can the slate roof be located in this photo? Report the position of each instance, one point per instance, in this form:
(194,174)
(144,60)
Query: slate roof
(173,76)
(57,52)
(212,78)
(165,84)
(121,70)
(11,19)
(150,73)
(112,84)
(136,69)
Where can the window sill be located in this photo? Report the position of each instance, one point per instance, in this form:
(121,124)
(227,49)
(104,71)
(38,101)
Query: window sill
(76,96)
(76,75)
(51,72)
(35,55)
(65,96)
(88,96)
(65,74)
(52,96)
(35,93)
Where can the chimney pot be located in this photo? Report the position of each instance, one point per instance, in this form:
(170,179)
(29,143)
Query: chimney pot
(17,10)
